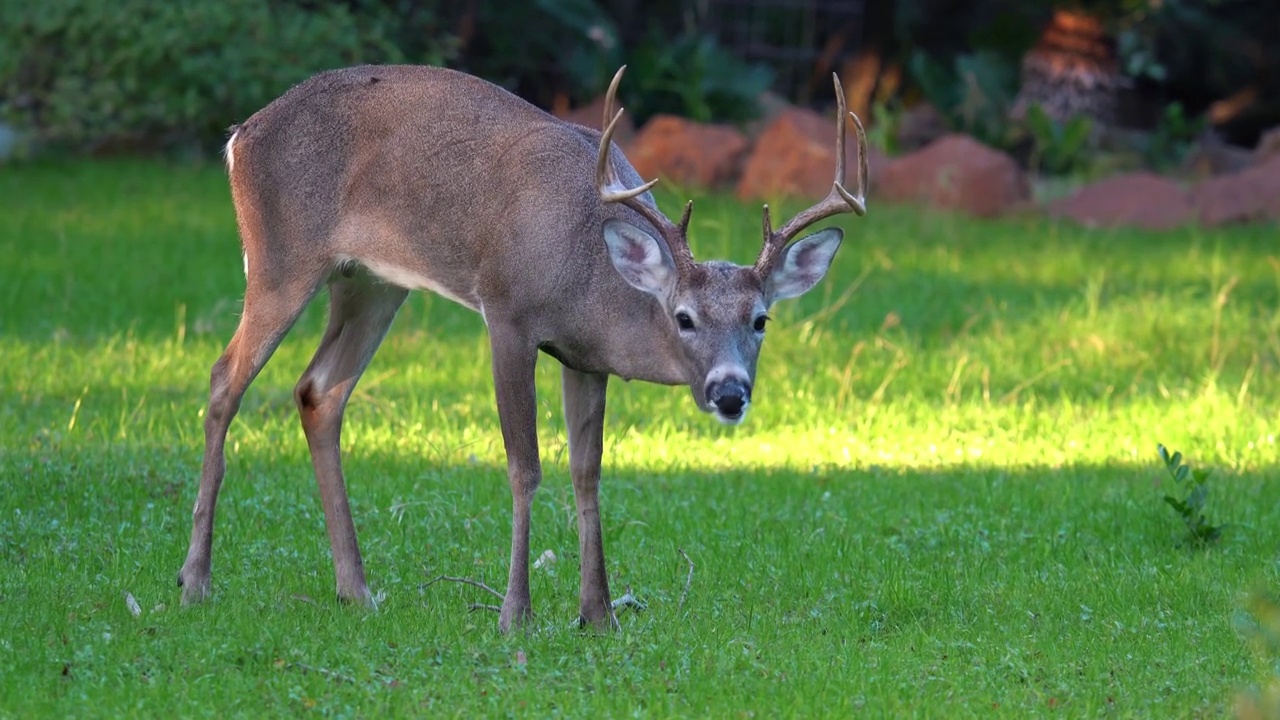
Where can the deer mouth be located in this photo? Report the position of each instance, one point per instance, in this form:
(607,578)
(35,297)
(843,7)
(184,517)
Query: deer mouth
(732,416)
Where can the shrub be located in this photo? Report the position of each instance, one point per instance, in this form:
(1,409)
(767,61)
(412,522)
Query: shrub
(148,74)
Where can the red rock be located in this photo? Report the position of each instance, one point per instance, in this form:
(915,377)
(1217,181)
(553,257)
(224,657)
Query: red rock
(1268,145)
(920,125)
(686,152)
(956,172)
(1142,200)
(1246,196)
(795,157)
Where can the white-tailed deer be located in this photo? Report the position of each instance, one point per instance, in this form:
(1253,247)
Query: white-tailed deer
(381,180)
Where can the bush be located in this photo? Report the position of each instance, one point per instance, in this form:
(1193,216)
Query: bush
(689,75)
(152,74)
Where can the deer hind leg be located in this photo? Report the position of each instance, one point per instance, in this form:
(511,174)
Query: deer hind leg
(360,313)
(584,397)
(271,306)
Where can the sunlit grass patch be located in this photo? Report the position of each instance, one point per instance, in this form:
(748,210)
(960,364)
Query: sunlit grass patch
(947,500)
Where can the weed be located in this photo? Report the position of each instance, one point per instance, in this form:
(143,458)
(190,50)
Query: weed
(1195,486)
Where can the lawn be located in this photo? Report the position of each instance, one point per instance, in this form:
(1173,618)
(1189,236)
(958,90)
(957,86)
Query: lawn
(947,501)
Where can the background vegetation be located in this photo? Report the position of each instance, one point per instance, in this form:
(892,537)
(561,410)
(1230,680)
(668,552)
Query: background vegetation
(147,74)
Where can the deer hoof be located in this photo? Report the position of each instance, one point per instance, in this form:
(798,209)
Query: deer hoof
(513,616)
(194,590)
(358,596)
(604,623)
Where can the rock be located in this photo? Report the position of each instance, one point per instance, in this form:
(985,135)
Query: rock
(795,157)
(1142,200)
(686,152)
(1268,145)
(920,125)
(1246,196)
(956,172)
(1212,155)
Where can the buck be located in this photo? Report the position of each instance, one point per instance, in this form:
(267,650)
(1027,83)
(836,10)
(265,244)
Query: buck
(378,180)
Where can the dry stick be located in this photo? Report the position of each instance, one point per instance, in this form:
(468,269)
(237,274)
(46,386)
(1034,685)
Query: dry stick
(688,581)
(629,600)
(481,606)
(465,581)
(330,674)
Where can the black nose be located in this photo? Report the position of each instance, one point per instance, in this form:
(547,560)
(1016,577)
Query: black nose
(729,396)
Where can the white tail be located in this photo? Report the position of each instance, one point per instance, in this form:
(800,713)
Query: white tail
(380,180)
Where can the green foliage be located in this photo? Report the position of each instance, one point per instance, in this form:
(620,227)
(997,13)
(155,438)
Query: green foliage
(528,47)
(691,75)
(154,73)
(1057,147)
(1172,139)
(1195,491)
(886,122)
(974,92)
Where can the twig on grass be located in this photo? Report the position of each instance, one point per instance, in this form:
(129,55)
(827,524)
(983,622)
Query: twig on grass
(325,672)
(481,606)
(629,601)
(464,581)
(688,581)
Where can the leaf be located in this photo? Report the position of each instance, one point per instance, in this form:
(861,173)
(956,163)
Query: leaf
(1175,461)
(1182,472)
(1196,499)
(1176,504)
(1164,454)
(1074,136)
(1039,123)
(132,603)
(1200,476)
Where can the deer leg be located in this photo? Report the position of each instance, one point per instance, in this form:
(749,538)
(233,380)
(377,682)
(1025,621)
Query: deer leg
(584,397)
(360,312)
(514,359)
(270,308)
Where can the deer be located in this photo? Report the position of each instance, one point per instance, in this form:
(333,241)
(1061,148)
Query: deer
(378,180)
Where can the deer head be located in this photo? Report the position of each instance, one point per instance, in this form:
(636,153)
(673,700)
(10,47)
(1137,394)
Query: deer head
(718,310)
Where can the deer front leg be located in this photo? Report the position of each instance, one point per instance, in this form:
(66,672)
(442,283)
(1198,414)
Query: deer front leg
(514,358)
(584,397)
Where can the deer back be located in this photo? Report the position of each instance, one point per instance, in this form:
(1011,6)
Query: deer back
(433,179)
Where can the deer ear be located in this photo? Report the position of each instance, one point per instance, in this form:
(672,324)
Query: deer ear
(803,265)
(639,257)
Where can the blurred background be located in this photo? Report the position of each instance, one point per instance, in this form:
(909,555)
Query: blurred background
(1155,83)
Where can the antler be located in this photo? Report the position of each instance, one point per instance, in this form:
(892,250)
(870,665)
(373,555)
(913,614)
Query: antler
(837,201)
(612,190)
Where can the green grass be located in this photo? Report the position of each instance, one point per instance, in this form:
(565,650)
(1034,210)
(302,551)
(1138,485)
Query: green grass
(947,501)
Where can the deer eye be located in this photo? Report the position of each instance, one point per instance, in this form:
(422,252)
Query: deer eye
(760,323)
(683,321)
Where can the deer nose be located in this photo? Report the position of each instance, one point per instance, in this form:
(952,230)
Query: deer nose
(729,396)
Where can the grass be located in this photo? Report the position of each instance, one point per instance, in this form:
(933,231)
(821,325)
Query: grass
(947,501)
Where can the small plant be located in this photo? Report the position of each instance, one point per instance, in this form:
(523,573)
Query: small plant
(1191,506)
(886,120)
(1057,147)
(691,75)
(1173,138)
(973,92)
